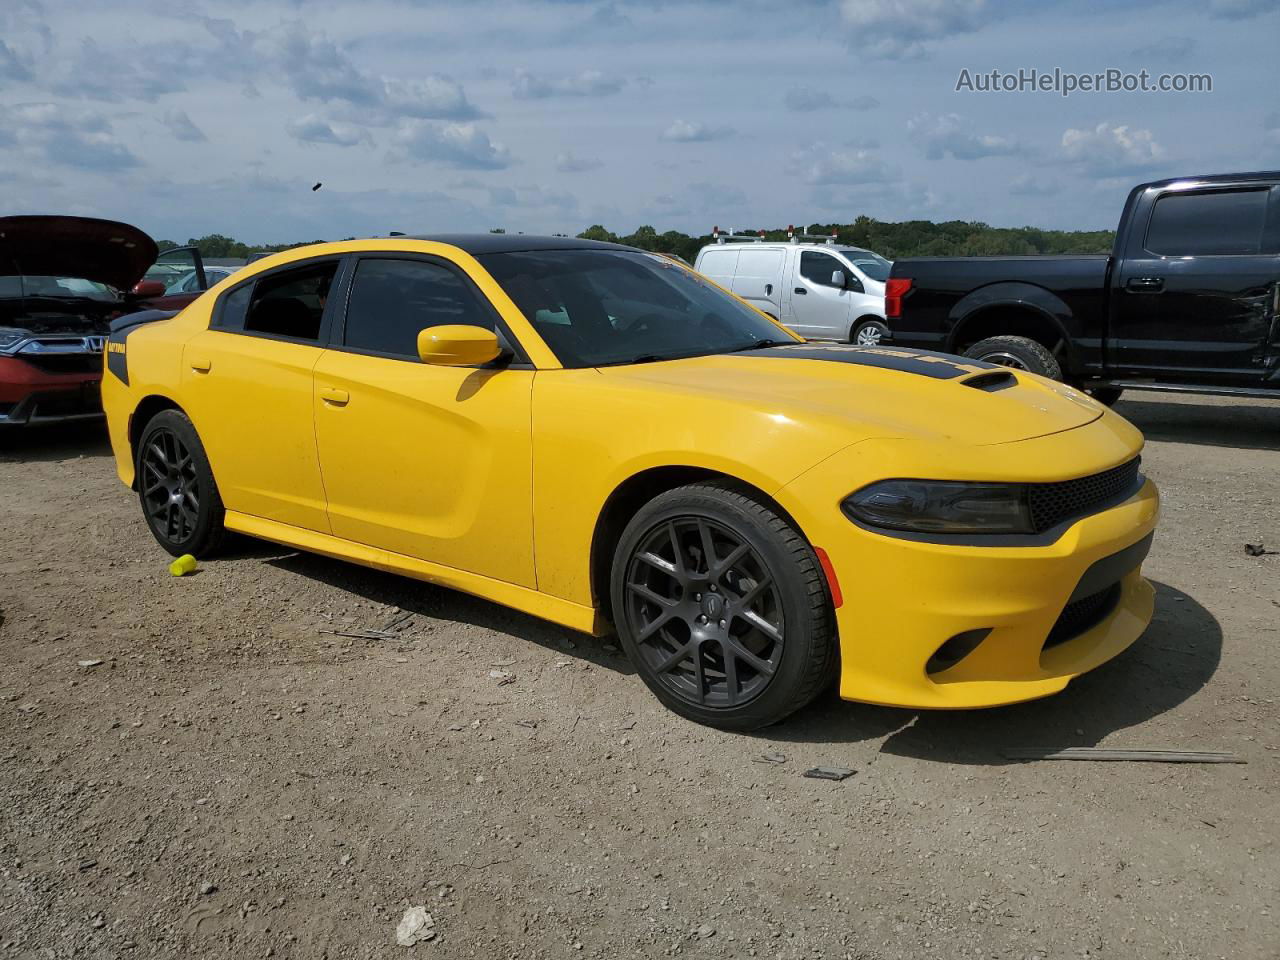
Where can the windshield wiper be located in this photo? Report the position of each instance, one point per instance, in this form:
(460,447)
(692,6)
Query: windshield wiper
(760,345)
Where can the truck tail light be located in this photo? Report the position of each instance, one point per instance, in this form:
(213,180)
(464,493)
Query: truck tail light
(894,290)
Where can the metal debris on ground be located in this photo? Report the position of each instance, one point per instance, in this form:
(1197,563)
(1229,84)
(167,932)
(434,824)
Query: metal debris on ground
(1258,550)
(415,927)
(90,663)
(829,773)
(363,634)
(769,758)
(1106,753)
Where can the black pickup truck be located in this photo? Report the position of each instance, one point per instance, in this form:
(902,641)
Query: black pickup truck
(1188,301)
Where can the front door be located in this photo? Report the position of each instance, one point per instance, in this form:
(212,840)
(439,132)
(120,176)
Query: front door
(819,308)
(425,461)
(1196,292)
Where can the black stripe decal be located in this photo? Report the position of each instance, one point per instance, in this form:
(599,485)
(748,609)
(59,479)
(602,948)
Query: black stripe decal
(938,366)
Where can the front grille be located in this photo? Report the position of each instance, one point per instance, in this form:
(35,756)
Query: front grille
(67,403)
(64,362)
(1052,503)
(1083,614)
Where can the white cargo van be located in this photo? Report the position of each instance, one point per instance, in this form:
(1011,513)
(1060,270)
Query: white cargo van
(821,290)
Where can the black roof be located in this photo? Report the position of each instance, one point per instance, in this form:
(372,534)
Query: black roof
(478,243)
(1255,176)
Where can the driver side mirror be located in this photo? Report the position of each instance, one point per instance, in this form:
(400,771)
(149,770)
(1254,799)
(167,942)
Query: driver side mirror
(148,288)
(838,279)
(458,345)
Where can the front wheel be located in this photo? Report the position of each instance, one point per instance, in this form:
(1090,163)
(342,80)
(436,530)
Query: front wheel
(179,497)
(722,607)
(870,333)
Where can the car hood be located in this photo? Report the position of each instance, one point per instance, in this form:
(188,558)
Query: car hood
(102,250)
(865,392)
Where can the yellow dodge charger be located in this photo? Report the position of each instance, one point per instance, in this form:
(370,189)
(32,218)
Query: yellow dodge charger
(602,437)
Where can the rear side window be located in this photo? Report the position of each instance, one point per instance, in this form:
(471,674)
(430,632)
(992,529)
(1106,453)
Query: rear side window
(1220,223)
(393,300)
(291,303)
(233,308)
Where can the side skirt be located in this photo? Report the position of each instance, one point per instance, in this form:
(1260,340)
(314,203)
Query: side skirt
(564,612)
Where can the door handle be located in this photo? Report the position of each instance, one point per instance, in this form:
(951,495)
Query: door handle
(802,291)
(768,289)
(334,396)
(1145,284)
(201,364)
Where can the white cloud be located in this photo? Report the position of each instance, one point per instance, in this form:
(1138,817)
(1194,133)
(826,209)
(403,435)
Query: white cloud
(1242,9)
(897,29)
(568,162)
(588,83)
(182,127)
(823,165)
(808,100)
(52,134)
(460,145)
(314,128)
(949,135)
(685,131)
(1110,149)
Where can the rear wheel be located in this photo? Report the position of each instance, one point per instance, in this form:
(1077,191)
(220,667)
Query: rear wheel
(1021,353)
(869,333)
(722,607)
(176,488)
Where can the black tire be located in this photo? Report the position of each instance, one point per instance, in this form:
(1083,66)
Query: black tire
(1021,353)
(179,497)
(869,332)
(1105,395)
(773,648)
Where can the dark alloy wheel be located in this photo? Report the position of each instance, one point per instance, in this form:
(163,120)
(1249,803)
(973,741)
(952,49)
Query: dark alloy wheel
(722,606)
(705,612)
(176,488)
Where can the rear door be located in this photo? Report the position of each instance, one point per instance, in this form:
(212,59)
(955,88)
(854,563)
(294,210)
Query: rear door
(759,278)
(820,309)
(426,461)
(1196,291)
(247,384)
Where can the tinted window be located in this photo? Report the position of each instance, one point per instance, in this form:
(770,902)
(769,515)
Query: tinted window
(597,307)
(1223,222)
(872,264)
(291,303)
(818,267)
(233,307)
(393,300)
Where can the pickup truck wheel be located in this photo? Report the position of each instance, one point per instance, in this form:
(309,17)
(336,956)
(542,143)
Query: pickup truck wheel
(1105,395)
(869,333)
(179,497)
(722,607)
(1021,353)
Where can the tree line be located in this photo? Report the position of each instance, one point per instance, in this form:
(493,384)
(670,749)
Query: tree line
(908,238)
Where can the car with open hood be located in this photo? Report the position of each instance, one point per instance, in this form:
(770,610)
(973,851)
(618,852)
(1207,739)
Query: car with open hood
(602,437)
(62,281)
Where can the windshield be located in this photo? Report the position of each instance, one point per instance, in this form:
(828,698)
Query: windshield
(16,288)
(599,307)
(872,264)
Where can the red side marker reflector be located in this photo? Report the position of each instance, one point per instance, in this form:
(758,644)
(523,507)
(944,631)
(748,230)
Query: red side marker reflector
(837,598)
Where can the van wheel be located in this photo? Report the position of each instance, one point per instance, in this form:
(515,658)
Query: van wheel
(1021,353)
(869,333)
(179,497)
(722,607)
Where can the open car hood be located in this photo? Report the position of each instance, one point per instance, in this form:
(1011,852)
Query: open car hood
(102,250)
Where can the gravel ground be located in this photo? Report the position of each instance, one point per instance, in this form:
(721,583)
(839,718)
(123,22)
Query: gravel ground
(234,777)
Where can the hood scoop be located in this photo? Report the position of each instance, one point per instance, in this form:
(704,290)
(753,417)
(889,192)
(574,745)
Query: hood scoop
(991,382)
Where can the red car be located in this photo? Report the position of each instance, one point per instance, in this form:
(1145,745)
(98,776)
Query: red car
(62,281)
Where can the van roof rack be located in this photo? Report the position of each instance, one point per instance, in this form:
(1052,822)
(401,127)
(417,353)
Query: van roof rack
(794,237)
(724,236)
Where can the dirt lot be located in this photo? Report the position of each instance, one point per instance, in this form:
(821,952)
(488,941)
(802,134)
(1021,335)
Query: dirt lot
(234,779)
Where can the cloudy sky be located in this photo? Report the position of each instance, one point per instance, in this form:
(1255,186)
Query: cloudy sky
(549,115)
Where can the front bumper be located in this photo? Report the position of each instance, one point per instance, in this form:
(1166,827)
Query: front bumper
(31,396)
(904,599)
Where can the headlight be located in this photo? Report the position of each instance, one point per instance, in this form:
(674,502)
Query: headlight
(11,337)
(942,506)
